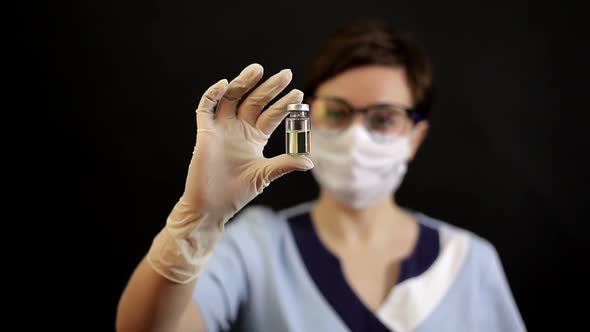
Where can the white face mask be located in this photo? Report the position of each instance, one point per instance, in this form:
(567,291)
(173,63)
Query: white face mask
(355,168)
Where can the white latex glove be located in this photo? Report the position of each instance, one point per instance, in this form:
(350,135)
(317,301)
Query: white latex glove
(227,170)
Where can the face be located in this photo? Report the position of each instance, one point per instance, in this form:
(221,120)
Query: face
(373,85)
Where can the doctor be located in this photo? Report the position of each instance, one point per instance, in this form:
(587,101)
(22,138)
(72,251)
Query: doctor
(352,259)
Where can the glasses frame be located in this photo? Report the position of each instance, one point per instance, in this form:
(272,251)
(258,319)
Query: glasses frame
(412,114)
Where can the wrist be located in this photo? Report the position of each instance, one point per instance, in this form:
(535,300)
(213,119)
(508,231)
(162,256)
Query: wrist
(180,250)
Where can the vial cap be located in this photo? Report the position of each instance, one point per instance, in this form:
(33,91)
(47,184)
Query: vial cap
(298,107)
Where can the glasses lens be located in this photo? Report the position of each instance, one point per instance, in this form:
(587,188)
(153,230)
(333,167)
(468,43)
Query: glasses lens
(332,114)
(387,120)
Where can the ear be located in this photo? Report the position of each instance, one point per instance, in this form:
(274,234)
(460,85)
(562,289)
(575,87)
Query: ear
(417,137)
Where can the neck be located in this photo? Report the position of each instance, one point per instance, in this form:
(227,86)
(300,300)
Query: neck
(345,223)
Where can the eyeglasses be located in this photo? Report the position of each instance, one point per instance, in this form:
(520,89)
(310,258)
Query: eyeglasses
(380,119)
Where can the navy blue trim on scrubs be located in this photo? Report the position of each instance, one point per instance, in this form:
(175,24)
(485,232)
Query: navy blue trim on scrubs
(326,272)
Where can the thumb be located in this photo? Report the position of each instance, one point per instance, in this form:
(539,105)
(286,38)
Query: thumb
(283,164)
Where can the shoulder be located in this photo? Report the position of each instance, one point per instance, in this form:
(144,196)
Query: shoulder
(469,279)
(476,254)
(477,244)
(258,226)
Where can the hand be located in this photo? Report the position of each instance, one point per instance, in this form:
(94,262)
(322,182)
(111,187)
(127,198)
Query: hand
(227,170)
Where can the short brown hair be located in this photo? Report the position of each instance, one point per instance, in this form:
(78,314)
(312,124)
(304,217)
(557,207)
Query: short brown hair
(365,41)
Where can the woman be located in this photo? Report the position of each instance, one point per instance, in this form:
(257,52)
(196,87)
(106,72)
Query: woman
(352,260)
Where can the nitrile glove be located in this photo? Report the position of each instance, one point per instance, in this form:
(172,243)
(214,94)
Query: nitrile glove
(227,170)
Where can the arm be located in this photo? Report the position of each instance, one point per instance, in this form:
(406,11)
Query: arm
(227,171)
(151,302)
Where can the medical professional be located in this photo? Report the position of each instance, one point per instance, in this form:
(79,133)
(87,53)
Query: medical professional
(350,260)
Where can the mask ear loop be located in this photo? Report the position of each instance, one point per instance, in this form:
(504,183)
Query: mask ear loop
(412,133)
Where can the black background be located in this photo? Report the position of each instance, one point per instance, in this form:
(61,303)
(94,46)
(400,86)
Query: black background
(118,82)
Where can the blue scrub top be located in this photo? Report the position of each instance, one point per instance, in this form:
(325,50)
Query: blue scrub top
(271,272)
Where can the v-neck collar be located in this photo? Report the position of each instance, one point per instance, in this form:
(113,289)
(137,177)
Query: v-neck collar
(326,271)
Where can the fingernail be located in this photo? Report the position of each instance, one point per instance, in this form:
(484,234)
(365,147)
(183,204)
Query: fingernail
(224,81)
(220,88)
(254,68)
(296,93)
(309,163)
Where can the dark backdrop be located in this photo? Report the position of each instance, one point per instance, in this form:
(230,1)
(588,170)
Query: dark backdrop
(505,157)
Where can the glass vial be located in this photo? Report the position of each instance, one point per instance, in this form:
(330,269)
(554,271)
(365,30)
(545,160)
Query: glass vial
(298,129)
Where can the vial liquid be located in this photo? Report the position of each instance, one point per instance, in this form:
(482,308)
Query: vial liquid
(298,141)
(298,130)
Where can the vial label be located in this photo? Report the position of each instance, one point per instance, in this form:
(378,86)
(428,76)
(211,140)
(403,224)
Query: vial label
(298,141)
